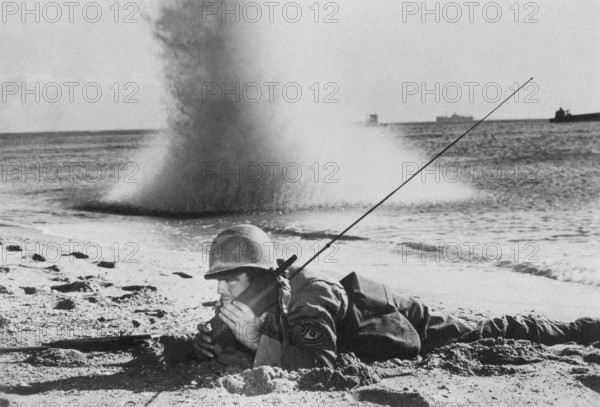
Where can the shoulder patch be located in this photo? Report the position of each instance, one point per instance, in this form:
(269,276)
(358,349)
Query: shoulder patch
(311,334)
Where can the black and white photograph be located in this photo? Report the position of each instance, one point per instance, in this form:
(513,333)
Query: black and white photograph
(240,203)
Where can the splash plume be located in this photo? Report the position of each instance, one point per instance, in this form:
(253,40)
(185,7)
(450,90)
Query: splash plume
(226,154)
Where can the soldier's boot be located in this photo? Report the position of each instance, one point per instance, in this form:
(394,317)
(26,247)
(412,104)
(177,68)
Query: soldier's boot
(589,330)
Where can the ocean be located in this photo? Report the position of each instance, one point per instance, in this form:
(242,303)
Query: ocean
(507,221)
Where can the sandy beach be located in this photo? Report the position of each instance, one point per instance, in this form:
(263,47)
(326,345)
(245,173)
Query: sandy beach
(146,297)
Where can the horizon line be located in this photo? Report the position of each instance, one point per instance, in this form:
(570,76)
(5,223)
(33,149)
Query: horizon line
(99,132)
(157,130)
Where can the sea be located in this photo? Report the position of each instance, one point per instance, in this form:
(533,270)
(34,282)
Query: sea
(506,221)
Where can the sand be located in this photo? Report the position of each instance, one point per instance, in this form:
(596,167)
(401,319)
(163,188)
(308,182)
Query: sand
(75,297)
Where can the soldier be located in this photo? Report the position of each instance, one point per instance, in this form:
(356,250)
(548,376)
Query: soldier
(316,308)
(355,315)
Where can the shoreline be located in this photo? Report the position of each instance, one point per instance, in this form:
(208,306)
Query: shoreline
(472,291)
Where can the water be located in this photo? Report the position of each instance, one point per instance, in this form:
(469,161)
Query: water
(522,233)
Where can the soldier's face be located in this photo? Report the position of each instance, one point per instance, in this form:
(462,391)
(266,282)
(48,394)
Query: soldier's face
(232,287)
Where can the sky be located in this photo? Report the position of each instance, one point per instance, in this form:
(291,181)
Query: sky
(405,61)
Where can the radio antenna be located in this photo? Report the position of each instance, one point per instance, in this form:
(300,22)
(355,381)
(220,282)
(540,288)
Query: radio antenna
(449,146)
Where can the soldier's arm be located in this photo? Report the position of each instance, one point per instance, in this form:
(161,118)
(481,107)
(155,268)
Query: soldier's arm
(312,333)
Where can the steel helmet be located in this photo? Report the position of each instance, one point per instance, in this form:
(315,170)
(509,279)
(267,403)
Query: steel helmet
(240,246)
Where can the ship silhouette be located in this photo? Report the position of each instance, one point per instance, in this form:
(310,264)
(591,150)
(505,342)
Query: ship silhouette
(455,118)
(372,120)
(565,116)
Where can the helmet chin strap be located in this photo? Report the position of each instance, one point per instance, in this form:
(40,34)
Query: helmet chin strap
(285,296)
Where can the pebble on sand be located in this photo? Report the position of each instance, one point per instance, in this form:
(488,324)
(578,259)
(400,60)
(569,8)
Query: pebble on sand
(77,286)
(38,258)
(182,275)
(65,304)
(78,255)
(106,264)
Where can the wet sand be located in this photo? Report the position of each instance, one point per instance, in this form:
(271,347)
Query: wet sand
(104,298)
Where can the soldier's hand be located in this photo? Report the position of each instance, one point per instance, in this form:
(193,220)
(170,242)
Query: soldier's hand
(242,321)
(203,346)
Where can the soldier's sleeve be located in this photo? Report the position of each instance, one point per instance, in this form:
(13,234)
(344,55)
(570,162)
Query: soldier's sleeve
(312,317)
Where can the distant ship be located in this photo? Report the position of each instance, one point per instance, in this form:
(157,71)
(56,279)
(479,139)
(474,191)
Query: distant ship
(372,120)
(455,118)
(564,116)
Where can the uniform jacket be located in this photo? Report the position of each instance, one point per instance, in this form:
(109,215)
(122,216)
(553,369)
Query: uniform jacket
(317,309)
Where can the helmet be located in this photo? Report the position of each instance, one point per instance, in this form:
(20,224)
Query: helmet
(241,246)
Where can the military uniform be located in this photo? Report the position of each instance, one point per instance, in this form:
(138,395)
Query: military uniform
(317,308)
(326,317)
(381,324)
(436,329)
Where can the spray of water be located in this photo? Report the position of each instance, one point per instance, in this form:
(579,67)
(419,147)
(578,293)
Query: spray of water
(226,155)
